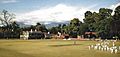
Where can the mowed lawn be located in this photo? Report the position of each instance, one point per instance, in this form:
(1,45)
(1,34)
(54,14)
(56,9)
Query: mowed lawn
(50,48)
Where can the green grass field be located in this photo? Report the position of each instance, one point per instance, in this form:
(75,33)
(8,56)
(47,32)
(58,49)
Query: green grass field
(50,48)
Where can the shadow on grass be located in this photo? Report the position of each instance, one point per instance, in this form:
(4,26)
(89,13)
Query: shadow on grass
(61,45)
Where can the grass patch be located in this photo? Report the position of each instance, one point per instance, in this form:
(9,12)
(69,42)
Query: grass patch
(65,45)
(50,48)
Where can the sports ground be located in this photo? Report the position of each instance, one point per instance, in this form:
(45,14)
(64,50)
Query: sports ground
(51,48)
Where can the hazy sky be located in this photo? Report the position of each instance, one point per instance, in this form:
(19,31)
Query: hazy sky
(32,11)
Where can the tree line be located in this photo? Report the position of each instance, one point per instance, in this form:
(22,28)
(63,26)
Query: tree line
(104,23)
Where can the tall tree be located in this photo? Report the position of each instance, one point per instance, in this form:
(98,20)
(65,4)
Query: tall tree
(105,20)
(6,18)
(115,25)
(89,20)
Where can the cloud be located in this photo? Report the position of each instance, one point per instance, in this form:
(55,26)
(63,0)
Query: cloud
(58,13)
(8,1)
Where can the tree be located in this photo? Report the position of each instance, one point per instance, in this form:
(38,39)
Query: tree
(65,29)
(59,28)
(88,14)
(83,28)
(6,18)
(88,17)
(89,20)
(41,27)
(54,30)
(74,27)
(115,25)
(117,13)
(38,27)
(99,22)
(15,26)
(105,20)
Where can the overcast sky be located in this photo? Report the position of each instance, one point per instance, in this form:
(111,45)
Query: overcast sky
(32,11)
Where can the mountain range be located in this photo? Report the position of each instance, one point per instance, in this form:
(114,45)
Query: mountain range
(49,24)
